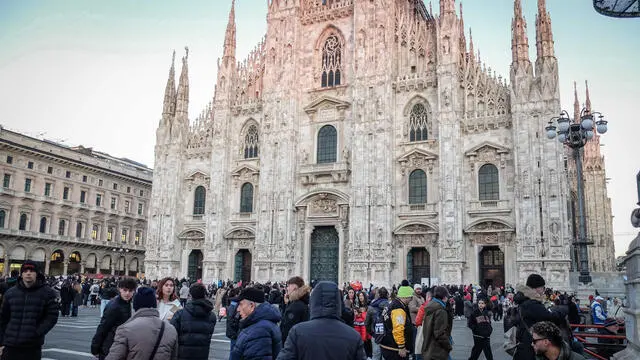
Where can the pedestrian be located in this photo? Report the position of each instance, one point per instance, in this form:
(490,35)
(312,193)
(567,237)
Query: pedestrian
(259,336)
(195,324)
(77,300)
(375,321)
(324,336)
(144,336)
(66,298)
(437,326)
(275,296)
(598,314)
(233,318)
(397,342)
(480,324)
(29,312)
(86,290)
(116,313)
(168,302)
(359,324)
(296,305)
(548,344)
(184,294)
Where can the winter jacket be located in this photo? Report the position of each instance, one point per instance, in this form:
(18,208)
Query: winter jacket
(359,325)
(275,297)
(325,336)
(28,314)
(398,327)
(377,306)
(436,330)
(195,324)
(115,314)
(67,294)
(598,315)
(297,310)
(259,336)
(136,338)
(184,292)
(480,323)
(414,305)
(420,315)
(468,308)
(565,354)
(233,321)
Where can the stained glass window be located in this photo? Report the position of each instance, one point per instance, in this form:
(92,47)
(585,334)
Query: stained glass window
(199,200)
(418,123)
(246,198)
(488,183)
(327,144)
(417,187)
(251,143)
(331,62)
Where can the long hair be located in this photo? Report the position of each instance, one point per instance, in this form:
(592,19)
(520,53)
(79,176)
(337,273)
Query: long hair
(161,283)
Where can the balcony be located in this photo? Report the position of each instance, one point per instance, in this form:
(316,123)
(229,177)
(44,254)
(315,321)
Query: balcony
(311,174)
(240,218)
(408,211)
(489,208)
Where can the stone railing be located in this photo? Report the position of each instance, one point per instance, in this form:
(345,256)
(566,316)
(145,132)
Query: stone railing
(324,173)
(489,207)
(418,210)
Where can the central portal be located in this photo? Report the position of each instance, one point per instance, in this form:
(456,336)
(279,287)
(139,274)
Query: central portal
(242,269)
(492,267)
(195,265)
(325,246)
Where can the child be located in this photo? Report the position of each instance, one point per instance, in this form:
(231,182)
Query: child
(480,324)
(359,325)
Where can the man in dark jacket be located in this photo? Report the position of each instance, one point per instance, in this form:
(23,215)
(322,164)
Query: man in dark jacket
(372,322)
(325,336)
(480,324)
(259,336)
(117,312)
(297,305)
(195,324)
(397,342)
(436,327)
(29,312)
(529,300)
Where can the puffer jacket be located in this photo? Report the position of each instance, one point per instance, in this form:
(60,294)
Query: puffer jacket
(233,321)
(325,336)
(195,324)
(296,311)
(259,337)
(28,314)
(115,314)
(436,330)
(136,338)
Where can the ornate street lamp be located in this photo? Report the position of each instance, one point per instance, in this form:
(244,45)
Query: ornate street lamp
(575,136)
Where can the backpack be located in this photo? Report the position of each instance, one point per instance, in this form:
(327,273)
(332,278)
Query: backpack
(511,335)
(379,317)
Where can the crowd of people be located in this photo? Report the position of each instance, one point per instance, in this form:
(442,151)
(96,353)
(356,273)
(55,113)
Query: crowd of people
(175,319)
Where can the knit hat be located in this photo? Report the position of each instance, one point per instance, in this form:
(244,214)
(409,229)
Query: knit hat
(197,291)
(145,297)
(417,286)
(29,265)
(251,294)
(535,281)
(405,292)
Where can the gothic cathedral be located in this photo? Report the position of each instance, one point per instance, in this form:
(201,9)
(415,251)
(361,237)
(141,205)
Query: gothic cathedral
(364,140)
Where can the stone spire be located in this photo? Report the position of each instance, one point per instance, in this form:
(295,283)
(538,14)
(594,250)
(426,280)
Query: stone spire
(471,52)
(576,104)
(519,39)
(182,99)
(463,40)
(230,36)
(169,106)
(588,100)
(544,35)
(447,7)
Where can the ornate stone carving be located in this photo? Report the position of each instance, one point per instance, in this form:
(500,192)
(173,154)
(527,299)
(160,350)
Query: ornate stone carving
(417,159)
(323,205)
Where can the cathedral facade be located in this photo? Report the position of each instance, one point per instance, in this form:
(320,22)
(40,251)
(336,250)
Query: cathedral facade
(365,140)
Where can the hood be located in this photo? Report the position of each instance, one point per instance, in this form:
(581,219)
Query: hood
(145,312)
(199,307)
(325,301)
(524,293)
(432,307)
(263,311)
(378,303)
(301,293)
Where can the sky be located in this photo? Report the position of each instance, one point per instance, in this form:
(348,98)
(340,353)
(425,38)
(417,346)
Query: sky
(93,73)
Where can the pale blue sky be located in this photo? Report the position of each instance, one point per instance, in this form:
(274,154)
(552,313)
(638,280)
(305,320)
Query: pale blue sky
(93,73)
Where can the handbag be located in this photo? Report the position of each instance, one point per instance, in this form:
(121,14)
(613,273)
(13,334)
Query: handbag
(419,340)
(155,347)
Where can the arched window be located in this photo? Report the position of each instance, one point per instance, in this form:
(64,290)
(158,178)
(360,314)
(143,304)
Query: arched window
(327,144)
(331,62)
(3,214)
(43,224)
(23,222)
(251,143)
(94,232)
(61,225)
(246,198)
(418,123)
(79,230)
(488,183)
(199,200)
(417,187)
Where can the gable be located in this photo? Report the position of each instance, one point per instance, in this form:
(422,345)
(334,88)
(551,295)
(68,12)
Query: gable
(487,146)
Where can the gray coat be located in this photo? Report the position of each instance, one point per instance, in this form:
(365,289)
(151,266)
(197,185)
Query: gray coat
(135,339)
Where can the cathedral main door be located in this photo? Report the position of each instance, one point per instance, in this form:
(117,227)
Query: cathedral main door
(418,265)
(325,246)
(242,271)
(491,267)
(195,265)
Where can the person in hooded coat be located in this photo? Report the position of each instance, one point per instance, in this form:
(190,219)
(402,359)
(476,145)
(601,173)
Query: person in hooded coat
(324,336)
(195,324)
(297,308)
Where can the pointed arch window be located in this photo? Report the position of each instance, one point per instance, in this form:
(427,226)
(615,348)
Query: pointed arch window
(418,123)
(331,62)
(199,200)
(251,143)
(43,224)
(3,215)
(246,198)
(327,145)
(488,183)
(417,187)
(23,222)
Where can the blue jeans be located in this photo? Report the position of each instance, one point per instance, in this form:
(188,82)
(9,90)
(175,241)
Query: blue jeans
(233,342)
(377,354)
(103,304)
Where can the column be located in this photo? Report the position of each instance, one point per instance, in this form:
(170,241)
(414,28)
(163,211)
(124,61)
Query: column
(82,264)
(7,265)
(307,252)
(113,267)
(341,242)
(47,263)
(65,266)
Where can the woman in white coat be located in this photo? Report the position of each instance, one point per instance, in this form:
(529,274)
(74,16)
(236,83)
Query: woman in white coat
(168,302)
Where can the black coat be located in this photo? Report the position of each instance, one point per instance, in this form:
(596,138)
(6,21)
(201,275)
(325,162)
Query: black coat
(28,314)
(195,324)
(297,310)
(275,297)
(233,321)
(115,314)
(480,323)
(325,336)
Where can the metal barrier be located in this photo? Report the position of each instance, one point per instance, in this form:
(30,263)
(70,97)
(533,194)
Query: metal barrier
(616,342)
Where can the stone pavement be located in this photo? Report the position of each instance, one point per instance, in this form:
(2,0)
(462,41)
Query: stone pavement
(71,339)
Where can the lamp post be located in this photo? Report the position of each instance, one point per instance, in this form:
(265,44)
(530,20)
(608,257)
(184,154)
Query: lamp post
(575,136)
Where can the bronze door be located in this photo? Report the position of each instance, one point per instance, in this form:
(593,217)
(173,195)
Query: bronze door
(195,265)
(492,267)
(324,254)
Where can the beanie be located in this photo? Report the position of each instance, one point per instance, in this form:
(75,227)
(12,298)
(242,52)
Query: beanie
(29,265)
(144,298)
(405,292)
(417,286)
(197,291)
(535,281)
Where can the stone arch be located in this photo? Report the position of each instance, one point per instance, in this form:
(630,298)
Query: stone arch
(341,196)
(105,264)
(18,252)
(91,263)
(325,33)
(477,226)
(134,266)
(421,226)
(417,99)
(248,144)
(248,232)
(38,254)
